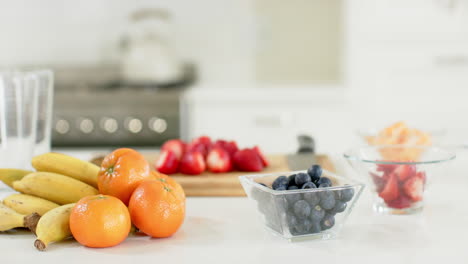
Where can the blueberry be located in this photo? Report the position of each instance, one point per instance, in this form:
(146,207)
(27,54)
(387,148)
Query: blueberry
(340,206)
(292,221)
(317,214)
(325,194)
(312,198)
(309,185)
(347,194)
(328,222)
(316,227)
(292,198)
(302,178)
(327,202)
(301,209)
(315,172)
(304,226)
(281,188)
(292,187)
(292,180)
(281,181)
(324,180)
(324,185)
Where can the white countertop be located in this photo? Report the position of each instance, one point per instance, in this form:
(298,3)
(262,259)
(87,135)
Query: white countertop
(227,230)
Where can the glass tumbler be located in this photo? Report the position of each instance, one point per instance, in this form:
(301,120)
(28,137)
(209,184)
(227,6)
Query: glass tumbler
(25,116)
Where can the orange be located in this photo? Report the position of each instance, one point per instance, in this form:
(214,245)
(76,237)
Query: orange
(157,207)
(100,221)
(121,172)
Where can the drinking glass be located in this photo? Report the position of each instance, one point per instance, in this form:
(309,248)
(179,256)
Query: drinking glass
(25,116)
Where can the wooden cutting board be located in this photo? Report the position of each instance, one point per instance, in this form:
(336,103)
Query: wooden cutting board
(227,184)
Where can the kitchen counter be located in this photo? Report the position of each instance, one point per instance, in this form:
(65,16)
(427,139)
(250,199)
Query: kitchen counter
(227,230)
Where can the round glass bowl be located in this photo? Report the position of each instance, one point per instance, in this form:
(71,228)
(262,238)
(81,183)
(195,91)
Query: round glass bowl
(398,185)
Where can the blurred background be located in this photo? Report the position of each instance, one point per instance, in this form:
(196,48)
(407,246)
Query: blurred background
(137,73)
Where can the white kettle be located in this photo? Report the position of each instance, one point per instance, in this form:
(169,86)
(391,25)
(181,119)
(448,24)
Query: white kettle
(148,56)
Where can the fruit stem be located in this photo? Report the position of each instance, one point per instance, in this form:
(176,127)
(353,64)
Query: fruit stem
(30,222)
(41,246)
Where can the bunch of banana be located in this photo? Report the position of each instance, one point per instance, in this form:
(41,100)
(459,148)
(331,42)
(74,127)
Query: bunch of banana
(10,219)
(27,204)
(54,187)
(53,226)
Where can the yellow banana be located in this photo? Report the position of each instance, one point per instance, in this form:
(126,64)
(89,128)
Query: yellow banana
(27,204)
(8,176)
(63,164)
(54,187)
(10,219)
(53,226)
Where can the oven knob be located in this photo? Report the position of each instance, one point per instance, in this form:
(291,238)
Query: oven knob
(110,125)
(158,125)
(86,125)
(134,125)
(62,126)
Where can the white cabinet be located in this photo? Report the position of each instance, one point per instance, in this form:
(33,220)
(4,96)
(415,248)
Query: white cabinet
(269,118)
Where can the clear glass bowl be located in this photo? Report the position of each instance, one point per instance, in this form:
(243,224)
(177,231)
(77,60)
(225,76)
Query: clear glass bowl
(398,186)
(283,215)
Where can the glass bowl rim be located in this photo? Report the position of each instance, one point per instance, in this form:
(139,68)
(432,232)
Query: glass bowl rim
(451,155)
(248,178)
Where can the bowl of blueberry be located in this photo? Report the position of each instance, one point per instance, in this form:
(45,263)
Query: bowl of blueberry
(311,204)
(398,174)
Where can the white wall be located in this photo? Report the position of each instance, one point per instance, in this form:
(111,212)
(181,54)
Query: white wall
(217,34)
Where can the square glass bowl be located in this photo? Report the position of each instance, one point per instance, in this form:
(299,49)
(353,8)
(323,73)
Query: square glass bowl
(302,214)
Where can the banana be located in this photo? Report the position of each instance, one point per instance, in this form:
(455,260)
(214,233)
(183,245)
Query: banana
(53,226)
(54,187)
(66,165)
(27,204)
(10,219)
(8,176)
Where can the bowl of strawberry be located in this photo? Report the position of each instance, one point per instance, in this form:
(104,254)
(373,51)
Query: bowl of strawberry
(203,154)
(398,184)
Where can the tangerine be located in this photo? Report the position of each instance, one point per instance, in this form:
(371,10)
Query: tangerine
(121,172)
(157,207)
(100,221)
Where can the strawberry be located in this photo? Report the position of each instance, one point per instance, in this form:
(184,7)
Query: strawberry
(400,203)
(192,163)
(421,175)
(390,192)
(247,160)
(414,188)
(386,168)
(262,157)
(378,181)
(177,146)
(229,146)
(167,163)
(197,147)
(405,171)
(218,160)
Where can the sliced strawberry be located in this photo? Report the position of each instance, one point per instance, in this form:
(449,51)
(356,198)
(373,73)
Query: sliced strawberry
(262,157)
(197,147)
(401,202)
(386,168)
(405,171)
(414,188)
(247,160)
(175,145)
(421,175)
(390,192)
(167,163)
(192,163)
(218,160)
(229,146)
(378,181)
